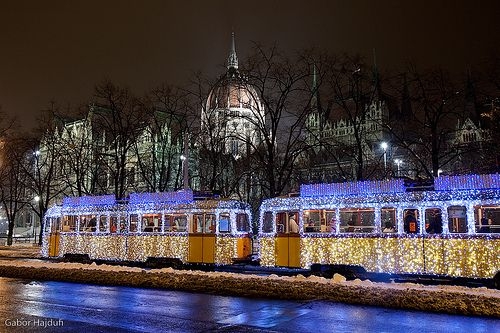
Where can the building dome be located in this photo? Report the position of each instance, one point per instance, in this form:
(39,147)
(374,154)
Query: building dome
(232,91)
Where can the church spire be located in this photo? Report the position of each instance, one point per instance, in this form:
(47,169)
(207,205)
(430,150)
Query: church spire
(232,60)
(314,91)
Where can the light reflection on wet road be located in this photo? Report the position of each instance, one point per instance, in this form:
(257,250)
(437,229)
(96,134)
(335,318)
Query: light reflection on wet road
(30,306)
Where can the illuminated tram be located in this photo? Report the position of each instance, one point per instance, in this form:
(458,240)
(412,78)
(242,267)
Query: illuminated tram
(149,226)
(452,229)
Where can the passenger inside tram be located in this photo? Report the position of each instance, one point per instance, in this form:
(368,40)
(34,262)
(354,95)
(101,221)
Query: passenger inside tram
(410,222)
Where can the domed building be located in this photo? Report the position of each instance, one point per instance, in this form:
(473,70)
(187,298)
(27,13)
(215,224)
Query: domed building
(233,112)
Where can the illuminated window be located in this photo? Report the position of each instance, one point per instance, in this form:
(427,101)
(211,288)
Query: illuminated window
(410,221)
(457,219)
(54,223)
(487,219)
(69,223)
(224,222)
(357,220)
(168,221)
(267,223)
(180,223)
(134,219)
(209,227)
(388,219)
(242,223)
(88,223)
(433,221)
(103,223)
(197,223)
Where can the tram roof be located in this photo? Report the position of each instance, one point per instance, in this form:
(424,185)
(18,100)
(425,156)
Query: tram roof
(394,186)
(183,199)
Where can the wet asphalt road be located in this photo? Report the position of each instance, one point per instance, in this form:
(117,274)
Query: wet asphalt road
(32,306)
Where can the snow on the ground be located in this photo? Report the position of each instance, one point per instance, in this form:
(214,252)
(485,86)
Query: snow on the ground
(440,298)
(337,279)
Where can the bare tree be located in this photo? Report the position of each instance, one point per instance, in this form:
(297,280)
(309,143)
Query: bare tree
(79,162)
(283,87)
(12,179)
(435,101)
(356,105)
(158,155)
(44,177)
(215,172)
(119,118)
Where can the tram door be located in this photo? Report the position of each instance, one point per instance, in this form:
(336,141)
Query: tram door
(202,239)
(52,228)
(287,240)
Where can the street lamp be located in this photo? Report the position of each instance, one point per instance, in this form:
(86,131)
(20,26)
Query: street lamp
(384,146)
(33,217)
(398,163)
(439,172)
(184,172)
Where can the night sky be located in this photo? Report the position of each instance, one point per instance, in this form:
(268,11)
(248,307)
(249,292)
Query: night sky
(59,50)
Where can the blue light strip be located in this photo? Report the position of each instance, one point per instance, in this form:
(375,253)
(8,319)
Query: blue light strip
(183,196)
(467,182)
(89,200)
(352,188)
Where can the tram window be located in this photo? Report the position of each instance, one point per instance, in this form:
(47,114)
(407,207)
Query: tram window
(357,220)
(410,221)
(69,223)
(312,220)
(157,222)
(388,219)
(151,222)
(180,223)
(197,225)
(487,219)
(433,221)
(103,223)
(113,224)
(147,223)
(55,224)
(267,222)
(286,222)
(242,222)
(224,222)
(209,224)
(88,223)
(167,220)
(123,224)
(281,222)
(134,219)
(457,219)
(330,222)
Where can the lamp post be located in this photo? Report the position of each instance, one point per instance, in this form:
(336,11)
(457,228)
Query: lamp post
(184,172)
(398,163)
(384,146)
(33,222)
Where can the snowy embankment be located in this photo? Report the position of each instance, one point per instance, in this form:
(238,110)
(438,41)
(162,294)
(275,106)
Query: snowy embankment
(448,299)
